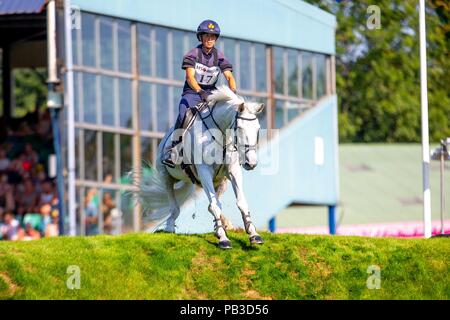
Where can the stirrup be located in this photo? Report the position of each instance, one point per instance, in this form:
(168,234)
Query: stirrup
(168,162)
(168,159)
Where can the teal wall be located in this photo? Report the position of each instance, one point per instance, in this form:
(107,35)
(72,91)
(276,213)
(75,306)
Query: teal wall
(289,23)
(295,176)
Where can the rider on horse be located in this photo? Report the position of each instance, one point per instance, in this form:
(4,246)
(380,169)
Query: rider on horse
(203,65)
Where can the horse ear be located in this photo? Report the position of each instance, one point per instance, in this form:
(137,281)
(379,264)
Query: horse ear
(260,108)
(241,108)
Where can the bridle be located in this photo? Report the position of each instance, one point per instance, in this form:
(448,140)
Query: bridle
(234,145)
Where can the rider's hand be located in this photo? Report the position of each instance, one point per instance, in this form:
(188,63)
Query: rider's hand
(204,95)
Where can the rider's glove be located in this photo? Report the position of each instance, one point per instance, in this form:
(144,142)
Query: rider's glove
(204,94)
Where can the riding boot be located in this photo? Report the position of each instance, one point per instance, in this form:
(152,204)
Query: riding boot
(168,156)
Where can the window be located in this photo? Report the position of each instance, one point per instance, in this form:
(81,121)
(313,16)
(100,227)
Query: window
(279,71)
(106,43)
(88,39)
(292,72)
(125,103)
(307,75)
(144,49)
(145,105)
(108,156)
(90,155)
(321,75)
(89,98)
(124,42)
(245,63)
(161,52)
(107,100)
(178,52)
(260,67)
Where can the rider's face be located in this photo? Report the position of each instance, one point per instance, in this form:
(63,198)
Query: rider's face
(209,40)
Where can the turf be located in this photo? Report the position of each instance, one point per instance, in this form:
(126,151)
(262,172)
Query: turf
(167,266)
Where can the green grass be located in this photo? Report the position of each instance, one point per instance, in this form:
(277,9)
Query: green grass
(166,266)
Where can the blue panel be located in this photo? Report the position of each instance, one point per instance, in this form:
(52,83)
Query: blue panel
(287,172)
(290,23)
(21,6)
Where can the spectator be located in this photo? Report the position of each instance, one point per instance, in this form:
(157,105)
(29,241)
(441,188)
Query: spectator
(30,156)
(28,198)
(45,212)
(10,229)
(47,192)
(91,205)
(4,161)
(29,233)
(108,206)
(6,193)
(52,229)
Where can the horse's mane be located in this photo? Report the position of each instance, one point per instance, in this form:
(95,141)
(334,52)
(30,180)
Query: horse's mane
(224,93)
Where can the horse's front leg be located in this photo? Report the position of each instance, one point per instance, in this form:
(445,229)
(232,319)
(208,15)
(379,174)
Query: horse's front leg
(235,176)
(215,208)
(222,187)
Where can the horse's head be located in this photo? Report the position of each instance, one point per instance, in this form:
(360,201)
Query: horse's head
(247,133)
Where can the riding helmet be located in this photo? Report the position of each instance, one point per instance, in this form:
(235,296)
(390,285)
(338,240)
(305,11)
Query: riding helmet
(208,26)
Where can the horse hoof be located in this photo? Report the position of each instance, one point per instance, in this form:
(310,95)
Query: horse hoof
(225,244)
(256,240)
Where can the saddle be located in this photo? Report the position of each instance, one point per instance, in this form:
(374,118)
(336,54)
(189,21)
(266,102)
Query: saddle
(191,114)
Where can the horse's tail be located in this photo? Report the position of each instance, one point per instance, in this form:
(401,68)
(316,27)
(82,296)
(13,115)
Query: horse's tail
(151,194)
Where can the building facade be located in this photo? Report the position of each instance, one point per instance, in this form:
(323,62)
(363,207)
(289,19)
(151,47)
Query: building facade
(127,83)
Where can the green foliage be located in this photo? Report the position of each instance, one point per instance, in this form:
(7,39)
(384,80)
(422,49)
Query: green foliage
(378,76)
(167,266)
(30,90)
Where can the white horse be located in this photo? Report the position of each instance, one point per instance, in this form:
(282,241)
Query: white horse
(166,190)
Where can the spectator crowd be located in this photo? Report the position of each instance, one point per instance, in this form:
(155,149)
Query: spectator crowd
(28,197)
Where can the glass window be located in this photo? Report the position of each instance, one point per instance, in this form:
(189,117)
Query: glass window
(124,38)
(91,211)
(177,55)
(293,110)
(90,155)
(89,98)
(292,73)
(147,150)
(307,76)
(126,154)
(280,120)
(279,71)
(192,40)
(77,153)
(161,52)
(144,49)
(108,156)
(106,44)
(88,39)
(162,108)
(230,51)
(107,98)
(245,72)
(125,103)
(75,46)
(321,75)
(176,102)
(261,67)
(145,116)
(76,96)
